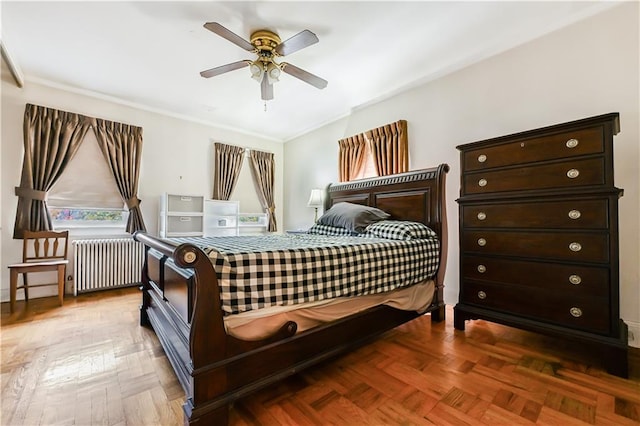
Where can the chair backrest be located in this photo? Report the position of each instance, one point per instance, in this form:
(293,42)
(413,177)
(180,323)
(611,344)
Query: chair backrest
(44,245)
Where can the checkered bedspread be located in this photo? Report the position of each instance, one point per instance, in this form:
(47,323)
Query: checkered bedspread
(259,271)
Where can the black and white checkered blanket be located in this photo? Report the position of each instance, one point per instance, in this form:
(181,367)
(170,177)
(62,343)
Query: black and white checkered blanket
(259,271)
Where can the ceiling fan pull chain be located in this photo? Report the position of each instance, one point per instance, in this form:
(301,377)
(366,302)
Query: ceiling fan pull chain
(265,106)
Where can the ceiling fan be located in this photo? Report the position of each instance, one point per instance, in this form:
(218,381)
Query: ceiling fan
(268,47)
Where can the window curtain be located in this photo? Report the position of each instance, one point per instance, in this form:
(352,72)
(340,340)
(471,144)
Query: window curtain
(228,162)
(121,145)
(351,156)
(51,139)
(390,148)
(262,169)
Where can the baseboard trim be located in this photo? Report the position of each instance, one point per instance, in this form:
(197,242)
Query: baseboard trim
(634,333)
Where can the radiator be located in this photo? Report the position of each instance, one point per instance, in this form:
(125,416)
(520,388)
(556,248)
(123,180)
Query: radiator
(101,264)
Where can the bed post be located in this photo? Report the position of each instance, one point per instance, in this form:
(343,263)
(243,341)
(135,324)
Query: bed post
(144,317)
(207,340)
(441,217)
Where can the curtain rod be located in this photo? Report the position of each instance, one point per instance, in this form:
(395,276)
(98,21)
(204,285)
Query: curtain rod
(246,148)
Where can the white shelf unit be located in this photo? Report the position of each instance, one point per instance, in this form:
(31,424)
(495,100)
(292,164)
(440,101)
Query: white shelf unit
(253,223)
(181,215)
(220,218)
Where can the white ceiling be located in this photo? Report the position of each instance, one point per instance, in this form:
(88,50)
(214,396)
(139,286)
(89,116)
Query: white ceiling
(150,53)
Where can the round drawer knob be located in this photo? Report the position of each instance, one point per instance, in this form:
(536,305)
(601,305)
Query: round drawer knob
(482,269)
(482,242)
(572,143)
(576,312)
(575,247)
(575,279)
(482,216)
(573,173)
(482,182)
(575,214)
(482,158)
(482,295)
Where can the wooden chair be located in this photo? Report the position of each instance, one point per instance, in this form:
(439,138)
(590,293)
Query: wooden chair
(41,251)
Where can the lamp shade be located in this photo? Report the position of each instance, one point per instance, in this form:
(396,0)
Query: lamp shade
(315,200)
(257,71)
(273,73)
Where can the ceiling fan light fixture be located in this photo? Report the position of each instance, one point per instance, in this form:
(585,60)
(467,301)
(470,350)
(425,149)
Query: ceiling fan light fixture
(256,70)
(273,73)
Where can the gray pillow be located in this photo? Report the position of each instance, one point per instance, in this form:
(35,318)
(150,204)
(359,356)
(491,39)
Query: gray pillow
(354,217)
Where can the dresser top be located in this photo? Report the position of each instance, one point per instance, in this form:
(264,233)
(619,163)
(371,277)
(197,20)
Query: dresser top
(612,117)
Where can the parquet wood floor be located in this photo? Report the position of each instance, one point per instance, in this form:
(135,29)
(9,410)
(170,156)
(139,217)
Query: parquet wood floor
(89,363)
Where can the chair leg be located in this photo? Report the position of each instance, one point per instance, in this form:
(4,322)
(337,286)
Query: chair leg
(25,286)
(13,286)
(61,274)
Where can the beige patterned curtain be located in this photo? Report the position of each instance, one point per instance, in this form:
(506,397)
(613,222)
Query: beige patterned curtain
(121,145)
(351,156)
(228,162)
(263,170)
(390,148)
(51,139)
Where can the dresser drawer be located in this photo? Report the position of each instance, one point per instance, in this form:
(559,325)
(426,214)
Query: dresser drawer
(568,174)
(560,145)
(585,214)
(585,313)
(574,246)
(571,280)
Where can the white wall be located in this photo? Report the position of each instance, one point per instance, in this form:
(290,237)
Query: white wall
(177,157)
(586,69)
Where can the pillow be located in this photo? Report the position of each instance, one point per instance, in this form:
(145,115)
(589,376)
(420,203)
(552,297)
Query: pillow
(320,229)
(354,217)
(400,230)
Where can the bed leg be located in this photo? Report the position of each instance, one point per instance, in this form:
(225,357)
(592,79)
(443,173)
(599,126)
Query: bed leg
(144,316)
(439,314)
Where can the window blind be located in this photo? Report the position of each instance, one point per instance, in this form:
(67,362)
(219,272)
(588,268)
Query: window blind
(87,182)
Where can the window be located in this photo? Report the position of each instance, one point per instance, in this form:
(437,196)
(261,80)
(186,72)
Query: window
(86,195)
(86,216)
(377,152)
(368,169)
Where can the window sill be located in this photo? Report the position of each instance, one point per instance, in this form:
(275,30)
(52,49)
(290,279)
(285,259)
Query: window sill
(93,231)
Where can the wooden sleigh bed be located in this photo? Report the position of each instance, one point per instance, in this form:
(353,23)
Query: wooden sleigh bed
(181,302)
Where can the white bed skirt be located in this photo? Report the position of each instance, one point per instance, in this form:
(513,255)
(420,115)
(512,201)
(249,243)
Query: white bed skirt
(260,323)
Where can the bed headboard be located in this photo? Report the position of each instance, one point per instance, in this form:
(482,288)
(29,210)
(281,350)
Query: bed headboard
(418,196)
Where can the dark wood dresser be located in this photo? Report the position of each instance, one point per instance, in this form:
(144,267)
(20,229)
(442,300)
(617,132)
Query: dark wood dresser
(539,235)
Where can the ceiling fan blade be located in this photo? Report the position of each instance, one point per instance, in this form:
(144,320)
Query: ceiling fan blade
(224,68)
(266,89)
(229,35)
(303,75)
(299,41)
